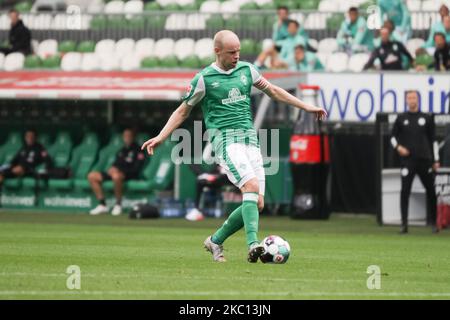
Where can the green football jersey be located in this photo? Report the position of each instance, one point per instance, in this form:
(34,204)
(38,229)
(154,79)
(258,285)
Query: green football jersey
(224,97)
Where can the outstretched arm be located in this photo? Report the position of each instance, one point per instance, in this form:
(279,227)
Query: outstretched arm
(279,94)
(175,120)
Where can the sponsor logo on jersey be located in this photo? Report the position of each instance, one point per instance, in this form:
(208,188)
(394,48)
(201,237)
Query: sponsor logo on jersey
(421,121)
(234,95)
(215,84)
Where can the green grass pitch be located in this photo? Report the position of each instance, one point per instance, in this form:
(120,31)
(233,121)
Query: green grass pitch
(164,259)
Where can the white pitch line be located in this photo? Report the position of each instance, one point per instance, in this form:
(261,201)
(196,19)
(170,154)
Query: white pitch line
(227,293)
(149,275)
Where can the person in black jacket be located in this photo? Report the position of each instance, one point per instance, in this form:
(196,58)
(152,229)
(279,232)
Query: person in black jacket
(27,159)
(127,165)
(413,138)
(442,53)
(389,53)
(19,36)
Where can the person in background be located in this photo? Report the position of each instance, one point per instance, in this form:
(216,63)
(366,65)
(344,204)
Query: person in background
(389,53)
(439,26)
(280,27)
(19,36)
(127,165)
(303,61)
(393,35)
(442,53)
(279,60)
(413,137)
(398,13)
(24,163)
(353,35)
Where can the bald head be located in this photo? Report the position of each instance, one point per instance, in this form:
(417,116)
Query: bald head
(224,38)
(226,47)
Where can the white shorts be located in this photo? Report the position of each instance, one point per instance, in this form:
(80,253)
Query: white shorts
(242,163)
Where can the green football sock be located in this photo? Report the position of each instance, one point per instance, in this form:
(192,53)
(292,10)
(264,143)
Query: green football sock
(250,215)
(230,226)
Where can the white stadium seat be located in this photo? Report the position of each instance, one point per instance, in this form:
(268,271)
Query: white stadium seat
(414,5)
(316,21)
(14,61)
(164,48)
(124,47)
(176,21)
(109,63)
(431,5)
(413,44)
(262,2)
(130,62)
(133,7)
(323,57)
(228,8)
(105,47)
(313,43)
(164,3)
(267,44)
(196,21)
(337,62)
(204,48)
(357,61)
(298,16)
(5,24)
(210,6)
(183,3)
(47,48)
(95,6)
(184,48)
(90,62)
(34,45)
(327,45)
(2,60)
(114,7)
(71,61)
(328,6)
(144,48)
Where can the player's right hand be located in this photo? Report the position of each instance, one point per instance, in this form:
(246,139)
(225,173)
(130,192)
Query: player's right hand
(402,151)
(151,144)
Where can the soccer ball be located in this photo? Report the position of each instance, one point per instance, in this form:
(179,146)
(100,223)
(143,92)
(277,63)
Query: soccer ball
(277,250)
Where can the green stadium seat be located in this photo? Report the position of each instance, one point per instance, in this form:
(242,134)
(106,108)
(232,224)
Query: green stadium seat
(11,146)
(152,6)
(86,46)
(268,6)
(334,22)
(106,158)
(83,158)
(234,23)
(135,23)
(249,6)
(156,21)
(254,22)
(308,4)
(149,62)
(248,46)
(190,7)
(116,22)
(67,46)
(32,62)
(24,6)
(52,62)
(99,22)
(169,62)
(215,22)
(61,149)
(158,174)
(206,61)
(191,62)
(172,7)
(7,152)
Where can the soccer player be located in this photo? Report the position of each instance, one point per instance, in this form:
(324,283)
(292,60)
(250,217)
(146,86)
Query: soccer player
(127,165)
(414,140)
(223,91)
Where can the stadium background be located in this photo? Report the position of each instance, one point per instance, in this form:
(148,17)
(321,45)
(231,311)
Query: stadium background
(169,40)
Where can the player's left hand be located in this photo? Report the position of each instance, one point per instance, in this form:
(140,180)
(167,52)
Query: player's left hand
(436,166)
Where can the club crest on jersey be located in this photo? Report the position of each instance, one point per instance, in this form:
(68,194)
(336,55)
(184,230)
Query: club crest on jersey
(234,95)
(421,121)
(244,79)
